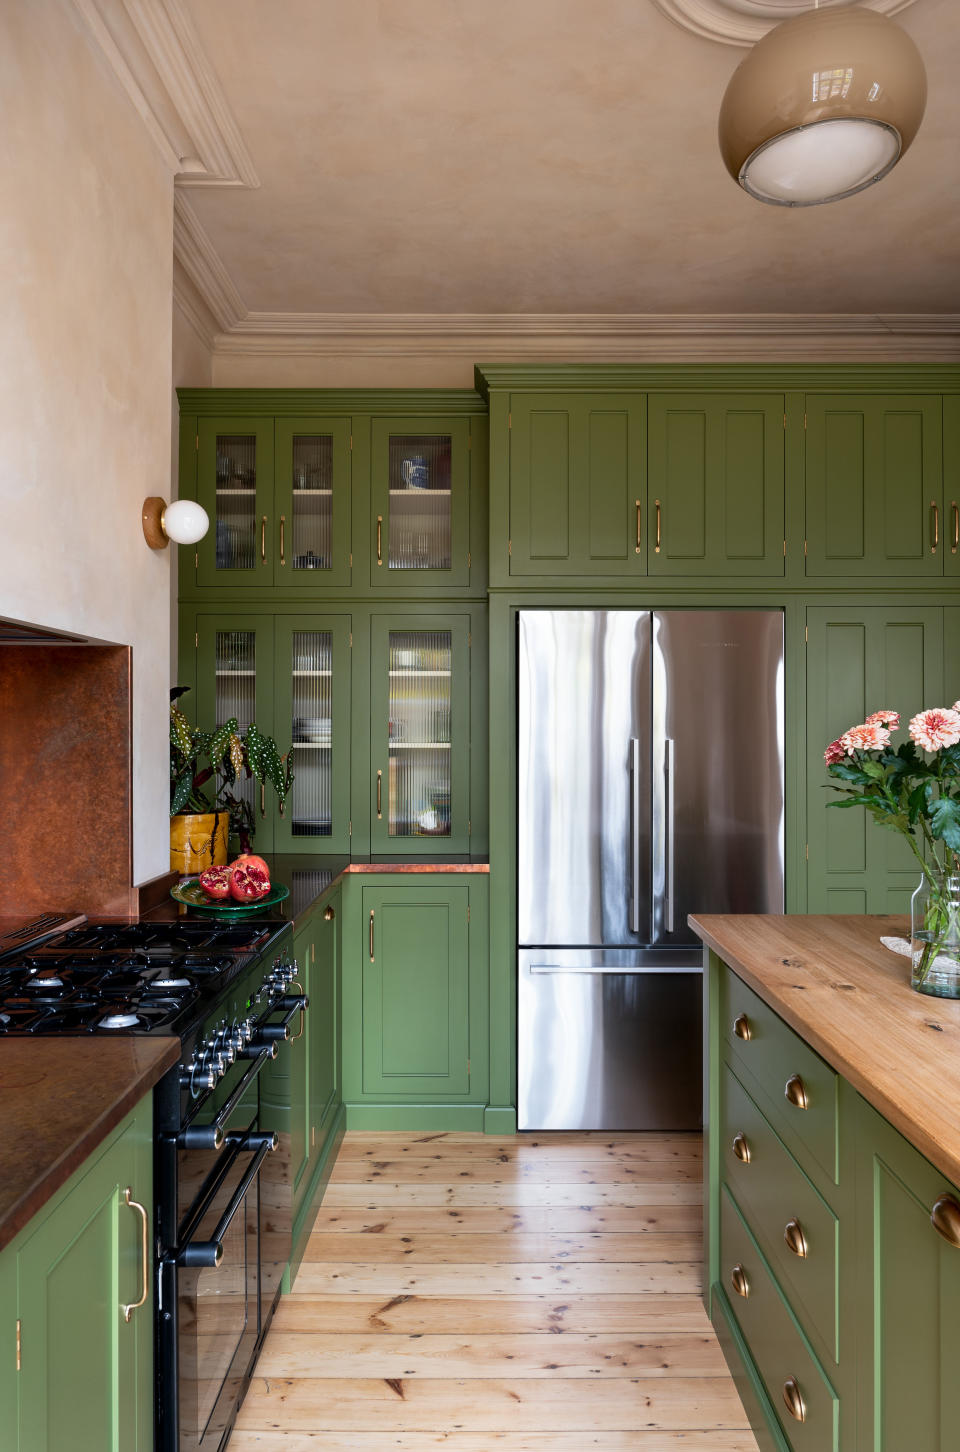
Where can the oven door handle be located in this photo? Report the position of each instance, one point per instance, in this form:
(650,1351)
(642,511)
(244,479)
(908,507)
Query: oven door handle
(211,1136)
(271,1032)
(209,1253)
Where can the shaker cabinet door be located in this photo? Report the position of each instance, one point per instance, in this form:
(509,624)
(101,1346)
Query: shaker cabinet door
(420,505)
(312,502)
(235,487)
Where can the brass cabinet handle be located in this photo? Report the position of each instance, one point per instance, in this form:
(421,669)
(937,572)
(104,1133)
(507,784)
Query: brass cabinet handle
(379,539)
(328,914)
(657,508)
(955,520)
(144,1251)
(263,539)
(793,1400)
(934,526)
(742,1028)
(795,1092)
(738,1279)
(379,796)
(371,935)
(283,526)
(263,799)
(945,1219)
(741,1149)
(637,503)
(795,1238)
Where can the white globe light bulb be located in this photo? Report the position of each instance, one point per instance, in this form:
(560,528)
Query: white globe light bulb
(185,521)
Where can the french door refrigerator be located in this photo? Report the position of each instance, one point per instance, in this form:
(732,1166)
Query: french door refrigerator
(650,774)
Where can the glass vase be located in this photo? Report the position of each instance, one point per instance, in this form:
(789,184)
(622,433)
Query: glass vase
(935,936)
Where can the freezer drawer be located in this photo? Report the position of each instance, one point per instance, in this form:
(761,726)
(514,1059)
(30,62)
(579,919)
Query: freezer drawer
(609,1040)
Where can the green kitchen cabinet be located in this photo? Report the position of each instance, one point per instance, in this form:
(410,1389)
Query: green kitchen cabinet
(715,484)
(420,505)
(234,484)
(951,476)
(312,503)
(861,660)
(415,999)
(874,486)
(82,1374)
(578,485)
(325,1096)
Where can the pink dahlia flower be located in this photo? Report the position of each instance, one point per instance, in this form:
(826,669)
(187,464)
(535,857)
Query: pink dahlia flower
(936,728)
(884,718)
(869,737)
(834,753)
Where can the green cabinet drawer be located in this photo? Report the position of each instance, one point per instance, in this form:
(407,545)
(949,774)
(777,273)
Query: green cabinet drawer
(797,1089)
(785,1362)
(796,1227)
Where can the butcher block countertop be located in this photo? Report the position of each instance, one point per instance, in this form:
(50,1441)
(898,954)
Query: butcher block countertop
(61,1098)
(831,979)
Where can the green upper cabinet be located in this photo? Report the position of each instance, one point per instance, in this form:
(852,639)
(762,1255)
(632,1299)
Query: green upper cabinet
(312,687)
(874,486)
(235,487)
(715,484)
(420,505)
(312,500)
(951,479)
(909,1291)
(577,485)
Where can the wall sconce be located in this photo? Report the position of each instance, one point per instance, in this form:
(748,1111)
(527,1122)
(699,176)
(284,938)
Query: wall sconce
(183,521)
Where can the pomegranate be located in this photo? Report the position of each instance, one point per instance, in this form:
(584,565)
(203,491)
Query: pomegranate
(215,882)
(248,883)
(248,859)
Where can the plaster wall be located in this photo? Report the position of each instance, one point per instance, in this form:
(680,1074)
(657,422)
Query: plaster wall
(192,368)
(85,319)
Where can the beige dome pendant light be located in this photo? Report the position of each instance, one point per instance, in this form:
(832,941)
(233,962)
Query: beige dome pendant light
(823,106)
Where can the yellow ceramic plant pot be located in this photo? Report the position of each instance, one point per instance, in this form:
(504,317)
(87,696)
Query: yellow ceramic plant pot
(198,840)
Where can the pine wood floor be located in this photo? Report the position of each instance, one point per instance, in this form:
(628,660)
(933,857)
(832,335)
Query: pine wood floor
(528,1294)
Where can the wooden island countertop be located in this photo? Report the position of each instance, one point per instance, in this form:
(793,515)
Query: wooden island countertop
(833,981)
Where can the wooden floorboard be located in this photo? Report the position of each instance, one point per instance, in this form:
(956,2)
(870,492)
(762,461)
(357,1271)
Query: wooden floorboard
(499,1294)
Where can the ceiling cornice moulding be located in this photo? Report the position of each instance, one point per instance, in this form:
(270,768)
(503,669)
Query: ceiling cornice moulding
(744,22)
(155,53)
(201,262)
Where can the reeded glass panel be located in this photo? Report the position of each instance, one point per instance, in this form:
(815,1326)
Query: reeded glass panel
(236,670)
(312,502)
(312,725)
(419,502)
(418,794)
(236,501)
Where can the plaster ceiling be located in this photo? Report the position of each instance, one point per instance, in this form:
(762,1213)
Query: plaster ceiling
(541,157)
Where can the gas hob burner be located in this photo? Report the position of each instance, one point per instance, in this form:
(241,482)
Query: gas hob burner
(43,982)
(170,985)
(119,1021)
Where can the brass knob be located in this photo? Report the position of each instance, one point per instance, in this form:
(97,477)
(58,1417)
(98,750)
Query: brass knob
(740,1148)
(945,1219)
(795,1238)
(328,914)
(793,1400)
(738,1279)
(741,1027)
(796,1092)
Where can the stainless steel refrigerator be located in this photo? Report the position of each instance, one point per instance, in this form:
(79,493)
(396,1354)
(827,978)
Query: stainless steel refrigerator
(650,756)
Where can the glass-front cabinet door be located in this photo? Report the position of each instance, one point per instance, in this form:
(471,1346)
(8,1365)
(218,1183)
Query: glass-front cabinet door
(312,503)
(235,486)
(420,525)
(312,718)
(420,734)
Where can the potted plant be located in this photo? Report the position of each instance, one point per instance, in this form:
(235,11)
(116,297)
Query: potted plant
(205,767)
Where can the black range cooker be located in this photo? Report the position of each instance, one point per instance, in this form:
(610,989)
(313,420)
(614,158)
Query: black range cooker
(231,995)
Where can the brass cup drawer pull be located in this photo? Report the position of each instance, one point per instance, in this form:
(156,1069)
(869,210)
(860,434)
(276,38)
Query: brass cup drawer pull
(793,1400)
(795,1092)
(144,1252)
(945,1219)
(795,1238)
(738,1279)
(742,1027)
(741,1149)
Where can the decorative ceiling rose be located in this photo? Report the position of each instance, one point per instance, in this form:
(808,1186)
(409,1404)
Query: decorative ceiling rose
(744,22)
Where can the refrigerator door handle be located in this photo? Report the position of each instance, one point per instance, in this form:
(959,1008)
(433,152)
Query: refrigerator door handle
(634,834)
(617,970)
(669,774)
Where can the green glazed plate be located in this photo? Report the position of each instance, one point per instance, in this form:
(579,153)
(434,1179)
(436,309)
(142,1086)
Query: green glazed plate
(191,895)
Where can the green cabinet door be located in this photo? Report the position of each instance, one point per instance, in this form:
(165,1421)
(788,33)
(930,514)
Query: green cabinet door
(312,500)
(715,484)
(235,487)
(951,478)
(420,505)
(86,1377)
(311,693)
(415,994)
(324,1022)
(577,485)
(9,1336)
(909,1295)
(874,486)
(235,677)
(420,733)
(860,661)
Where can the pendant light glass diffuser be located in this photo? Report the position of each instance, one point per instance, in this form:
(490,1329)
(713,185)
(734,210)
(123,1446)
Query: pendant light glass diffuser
(823,106)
